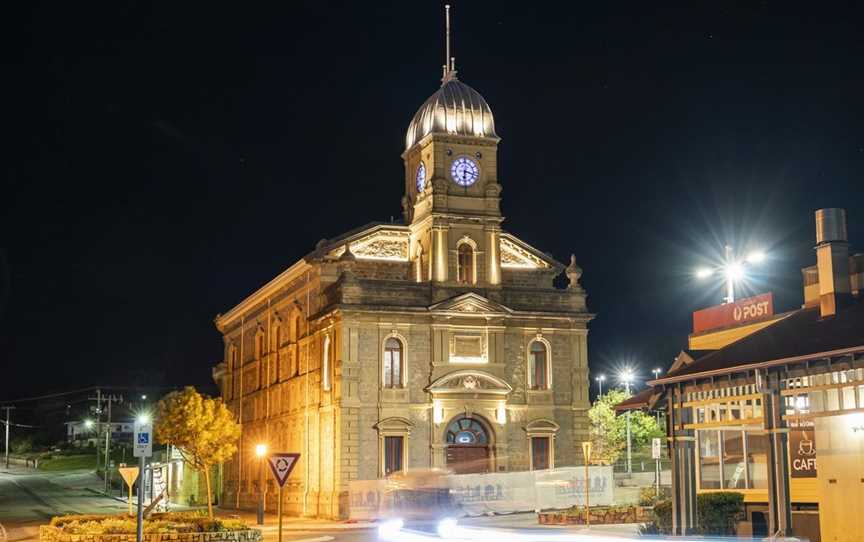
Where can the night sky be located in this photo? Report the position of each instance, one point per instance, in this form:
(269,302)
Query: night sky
(168,159)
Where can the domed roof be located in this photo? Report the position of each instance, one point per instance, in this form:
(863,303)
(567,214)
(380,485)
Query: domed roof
(455,109)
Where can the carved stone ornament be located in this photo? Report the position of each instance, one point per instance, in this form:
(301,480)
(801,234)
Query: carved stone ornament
(514,256)
(470,382)
(574,272)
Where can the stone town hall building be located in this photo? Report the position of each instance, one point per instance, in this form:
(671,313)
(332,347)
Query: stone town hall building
(438,342)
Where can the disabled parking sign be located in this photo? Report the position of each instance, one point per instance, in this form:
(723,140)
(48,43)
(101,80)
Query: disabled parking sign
(142,443)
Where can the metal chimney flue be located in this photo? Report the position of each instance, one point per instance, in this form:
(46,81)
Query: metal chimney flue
(832,261)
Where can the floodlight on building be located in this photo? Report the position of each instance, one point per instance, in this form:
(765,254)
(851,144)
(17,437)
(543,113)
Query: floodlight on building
(88,424)
(260,450)
(437,412)
(501,414)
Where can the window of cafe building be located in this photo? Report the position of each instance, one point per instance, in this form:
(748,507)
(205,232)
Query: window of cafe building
(732,459)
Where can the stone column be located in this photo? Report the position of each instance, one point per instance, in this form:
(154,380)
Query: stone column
(493,258)
(439,253)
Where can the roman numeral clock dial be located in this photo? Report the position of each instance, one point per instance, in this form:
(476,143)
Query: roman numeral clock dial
(464,171)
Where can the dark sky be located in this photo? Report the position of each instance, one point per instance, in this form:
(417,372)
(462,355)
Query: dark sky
(168,159)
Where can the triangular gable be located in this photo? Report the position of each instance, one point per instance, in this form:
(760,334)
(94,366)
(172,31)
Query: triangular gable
(517,254)
(470,303)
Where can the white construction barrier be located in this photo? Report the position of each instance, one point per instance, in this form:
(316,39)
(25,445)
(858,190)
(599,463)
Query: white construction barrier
(476,494)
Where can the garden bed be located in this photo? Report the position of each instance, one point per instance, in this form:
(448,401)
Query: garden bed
(599,515)
(175,527)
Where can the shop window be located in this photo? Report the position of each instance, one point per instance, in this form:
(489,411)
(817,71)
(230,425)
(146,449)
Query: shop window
(540,453)
(709,460)
(849,398)
(538,366)
(733,460)
(393,364)
(757,461)
(393,454)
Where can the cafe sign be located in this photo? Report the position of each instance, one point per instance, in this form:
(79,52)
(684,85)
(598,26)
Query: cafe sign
(802,452)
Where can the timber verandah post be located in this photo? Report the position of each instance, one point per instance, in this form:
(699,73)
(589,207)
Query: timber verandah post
(683,464)
(779,502)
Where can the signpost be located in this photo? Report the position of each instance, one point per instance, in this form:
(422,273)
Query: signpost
(142,448)
(586,453)
(129,474)
(656,453)
(281,465)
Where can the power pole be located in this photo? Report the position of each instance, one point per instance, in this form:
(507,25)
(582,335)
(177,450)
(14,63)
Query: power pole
(98,400)
(8,421)
(111,399)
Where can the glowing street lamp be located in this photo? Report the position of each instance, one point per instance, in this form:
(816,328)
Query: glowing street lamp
(88,424)
(732,270)
(260,452)
(626,377)
(600,379)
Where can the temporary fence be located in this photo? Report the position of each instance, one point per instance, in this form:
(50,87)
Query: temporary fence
(500,493)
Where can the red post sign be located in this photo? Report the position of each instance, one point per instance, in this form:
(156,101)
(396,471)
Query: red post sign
(743,311)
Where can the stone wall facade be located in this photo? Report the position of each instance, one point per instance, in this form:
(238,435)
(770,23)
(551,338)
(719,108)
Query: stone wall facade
(492,357)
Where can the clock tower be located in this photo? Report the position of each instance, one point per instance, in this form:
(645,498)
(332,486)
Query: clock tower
(452,194)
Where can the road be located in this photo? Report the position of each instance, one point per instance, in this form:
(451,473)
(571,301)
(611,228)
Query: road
(29,499)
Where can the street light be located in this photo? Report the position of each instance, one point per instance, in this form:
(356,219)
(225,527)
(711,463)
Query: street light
(260,451)
(657,372)
(600,379)
(88,424)
(626,377)
(732,270)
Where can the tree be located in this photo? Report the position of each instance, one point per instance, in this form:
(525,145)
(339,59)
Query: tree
(202,429)
(609,432)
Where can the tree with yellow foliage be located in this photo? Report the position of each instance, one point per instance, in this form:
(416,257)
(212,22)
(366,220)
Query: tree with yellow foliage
(201,428)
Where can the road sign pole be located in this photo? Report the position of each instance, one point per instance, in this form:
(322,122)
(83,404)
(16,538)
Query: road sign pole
(586,454)
(279,511)
(140,531)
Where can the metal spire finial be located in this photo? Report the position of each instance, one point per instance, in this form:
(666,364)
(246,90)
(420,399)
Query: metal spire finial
(447,39)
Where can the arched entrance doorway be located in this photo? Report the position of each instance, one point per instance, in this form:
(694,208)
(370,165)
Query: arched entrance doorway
(468,446)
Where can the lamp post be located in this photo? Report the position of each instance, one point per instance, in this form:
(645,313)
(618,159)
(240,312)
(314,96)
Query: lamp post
(732,270)
(600,379)
(260,451)
(657,372)
(626,376)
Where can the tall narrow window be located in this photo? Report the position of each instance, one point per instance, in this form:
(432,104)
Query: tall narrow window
(325,364)
(465,263)
(537,366)
(259,344)
(296,329)
(540,450)
(393,363)
(277,373)
(392,455)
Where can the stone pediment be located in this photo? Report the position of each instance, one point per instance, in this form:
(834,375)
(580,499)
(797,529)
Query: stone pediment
(468,304)
(469,381)
(517,254)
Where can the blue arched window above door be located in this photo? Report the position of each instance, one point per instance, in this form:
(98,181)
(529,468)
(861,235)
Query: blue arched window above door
(467,432)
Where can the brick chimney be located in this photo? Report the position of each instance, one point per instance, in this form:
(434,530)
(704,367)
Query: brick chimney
(832,261)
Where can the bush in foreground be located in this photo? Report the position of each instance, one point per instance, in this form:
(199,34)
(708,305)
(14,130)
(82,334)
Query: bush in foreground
(717,513)
(168,522)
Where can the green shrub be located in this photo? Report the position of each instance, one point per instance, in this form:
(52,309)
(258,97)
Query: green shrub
(719,512)
(648,495)
(663,516)
(166,522)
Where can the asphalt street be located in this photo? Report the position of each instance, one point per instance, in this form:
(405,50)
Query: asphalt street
(29,499)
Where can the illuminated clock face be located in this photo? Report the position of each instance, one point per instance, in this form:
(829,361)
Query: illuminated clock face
(421,177)
(464,171)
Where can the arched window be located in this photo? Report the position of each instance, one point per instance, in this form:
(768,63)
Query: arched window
(465,264)
(538,366)
(325,364)
(393,361)
(466,432)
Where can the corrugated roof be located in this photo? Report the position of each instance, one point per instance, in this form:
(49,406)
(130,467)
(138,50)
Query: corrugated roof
(801,334)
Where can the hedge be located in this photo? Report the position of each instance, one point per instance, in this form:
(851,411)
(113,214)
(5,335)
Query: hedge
(716,513)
